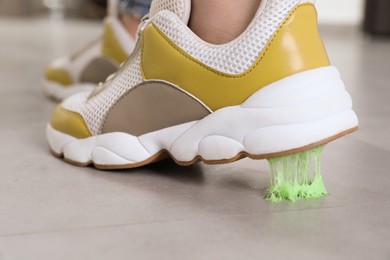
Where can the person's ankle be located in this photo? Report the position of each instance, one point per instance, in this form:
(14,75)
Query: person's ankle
(131,23)
(221,21)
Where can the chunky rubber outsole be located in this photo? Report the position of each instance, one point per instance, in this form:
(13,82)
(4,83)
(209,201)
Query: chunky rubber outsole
(164,154)
(58,92)
(292,115)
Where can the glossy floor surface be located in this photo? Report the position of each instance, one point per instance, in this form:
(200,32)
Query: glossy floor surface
(52,210)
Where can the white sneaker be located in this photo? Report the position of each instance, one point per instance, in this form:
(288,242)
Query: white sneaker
(271,92)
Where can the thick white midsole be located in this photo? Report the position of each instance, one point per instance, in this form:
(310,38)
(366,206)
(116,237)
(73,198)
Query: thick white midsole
(60,92)
(289,114)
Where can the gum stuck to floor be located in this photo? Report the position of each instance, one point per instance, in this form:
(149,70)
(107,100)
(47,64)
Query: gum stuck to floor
(296,176)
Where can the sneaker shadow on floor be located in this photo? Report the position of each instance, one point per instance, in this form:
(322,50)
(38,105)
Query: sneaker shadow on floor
(166,169)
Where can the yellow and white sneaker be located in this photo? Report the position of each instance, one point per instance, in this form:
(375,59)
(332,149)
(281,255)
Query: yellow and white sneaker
(84,70)
(270,92)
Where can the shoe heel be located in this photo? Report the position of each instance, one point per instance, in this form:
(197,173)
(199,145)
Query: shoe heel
(292,115)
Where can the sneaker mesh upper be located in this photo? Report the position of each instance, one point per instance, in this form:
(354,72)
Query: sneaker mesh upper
(95,109)
(180,7)
(235,57)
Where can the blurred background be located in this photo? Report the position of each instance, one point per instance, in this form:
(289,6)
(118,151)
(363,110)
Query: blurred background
(372,15)
(69,8)
(51,210)
(332,11)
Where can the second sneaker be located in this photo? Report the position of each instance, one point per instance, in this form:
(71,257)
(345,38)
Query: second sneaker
(83,70)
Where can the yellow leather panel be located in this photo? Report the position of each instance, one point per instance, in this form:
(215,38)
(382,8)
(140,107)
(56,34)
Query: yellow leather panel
(70,123)
(295,47)
(111,47)
(58,75)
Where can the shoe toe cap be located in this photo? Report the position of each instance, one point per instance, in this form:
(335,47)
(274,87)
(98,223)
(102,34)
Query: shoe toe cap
(69,122)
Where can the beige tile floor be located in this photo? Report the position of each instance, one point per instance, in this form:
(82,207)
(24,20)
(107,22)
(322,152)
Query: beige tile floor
(51,210)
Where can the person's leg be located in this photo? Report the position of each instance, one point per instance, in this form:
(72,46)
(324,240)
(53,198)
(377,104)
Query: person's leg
(220,21)
(131,12)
